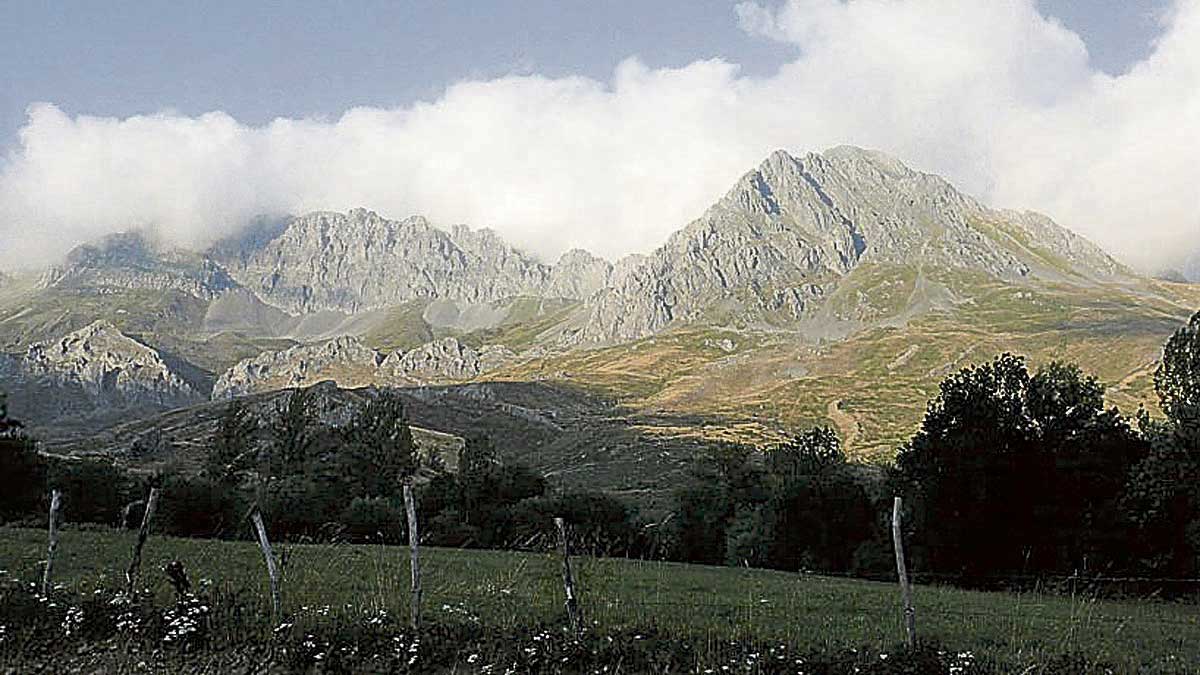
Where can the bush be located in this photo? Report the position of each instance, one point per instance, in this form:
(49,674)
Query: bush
(373,520)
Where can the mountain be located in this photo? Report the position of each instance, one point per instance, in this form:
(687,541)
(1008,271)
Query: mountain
(359,261)
(778,246)
(826,288)
(91,376)
(131,260)
(351,363)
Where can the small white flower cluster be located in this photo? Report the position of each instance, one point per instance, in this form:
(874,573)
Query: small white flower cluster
(377,618)
(403,649)
(128,620)
(72,620)
(961,662)
(753,661)
(3,633)
(185,619)
(317,650)
(461,610)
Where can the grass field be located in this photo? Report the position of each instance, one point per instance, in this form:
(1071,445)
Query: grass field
(704,604)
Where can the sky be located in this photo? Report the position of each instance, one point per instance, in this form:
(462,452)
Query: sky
(605,125)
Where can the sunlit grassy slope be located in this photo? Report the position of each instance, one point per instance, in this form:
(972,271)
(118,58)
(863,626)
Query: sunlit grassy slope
(703,603)
(874,383)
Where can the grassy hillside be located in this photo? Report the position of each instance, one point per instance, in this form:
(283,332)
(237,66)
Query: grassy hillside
(874,384)
(704,604)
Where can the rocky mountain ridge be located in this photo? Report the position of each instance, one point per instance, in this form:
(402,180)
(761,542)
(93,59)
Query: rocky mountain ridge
(812,273)
(773,251)
(107,364)
(778,244)
(90,377)
(352,364)
(360,261)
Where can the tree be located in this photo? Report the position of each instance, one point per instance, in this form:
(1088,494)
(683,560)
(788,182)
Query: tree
(24,471)
(1014,473)
(8,426)
(292,437)
(818,509)
(801,507)
(231,447)
(378,452)
(1177,382)
(1162,497)
(723,479)
(806,454)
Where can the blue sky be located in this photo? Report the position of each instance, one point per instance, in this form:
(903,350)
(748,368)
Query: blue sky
(258,60)
(604,124)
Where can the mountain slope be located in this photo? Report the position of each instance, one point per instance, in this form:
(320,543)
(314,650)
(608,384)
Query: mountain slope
(832,288)
(360,261)
(777,246)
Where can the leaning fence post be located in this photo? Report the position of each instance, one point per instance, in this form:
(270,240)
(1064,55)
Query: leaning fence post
(568,579)
(272,570)
(135,562)
(414,558)
(910,614)
(55,504)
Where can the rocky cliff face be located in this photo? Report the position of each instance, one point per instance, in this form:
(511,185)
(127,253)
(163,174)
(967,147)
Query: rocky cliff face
(360,261)
(350,363)
(91,378)
(131,260)
(110,367)
(779,243)
(345,359)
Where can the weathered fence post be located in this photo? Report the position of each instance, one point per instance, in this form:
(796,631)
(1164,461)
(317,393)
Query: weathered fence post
(568,579)
(135,562)
(55,504)
(910,614)
(414,556)
(260,530)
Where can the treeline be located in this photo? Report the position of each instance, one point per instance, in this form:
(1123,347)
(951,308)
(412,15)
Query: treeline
(318,482)
(1013,474)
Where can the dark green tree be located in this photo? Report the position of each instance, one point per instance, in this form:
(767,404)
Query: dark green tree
(1013,473)
(23,470)
(377,451)
(1162,497)
(818,508)
(1177,382)
(292,435)
(232,446)
(723,480)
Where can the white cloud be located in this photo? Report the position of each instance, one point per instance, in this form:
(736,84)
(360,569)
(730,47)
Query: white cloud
(991,94)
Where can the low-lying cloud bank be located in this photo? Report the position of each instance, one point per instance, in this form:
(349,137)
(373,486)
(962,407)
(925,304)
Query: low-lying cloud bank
(993,95)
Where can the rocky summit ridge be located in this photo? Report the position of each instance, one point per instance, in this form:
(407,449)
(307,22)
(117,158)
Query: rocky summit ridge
(360,261)
(106,363)
(779,243)
(773,250)
(352,364)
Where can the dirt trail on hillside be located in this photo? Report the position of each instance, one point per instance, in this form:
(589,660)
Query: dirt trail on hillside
(847,425)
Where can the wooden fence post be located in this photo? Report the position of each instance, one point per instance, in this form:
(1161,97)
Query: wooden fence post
(910,614)
(572,602)
(135,562)
(55,504)
(260,530)
(414,558)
